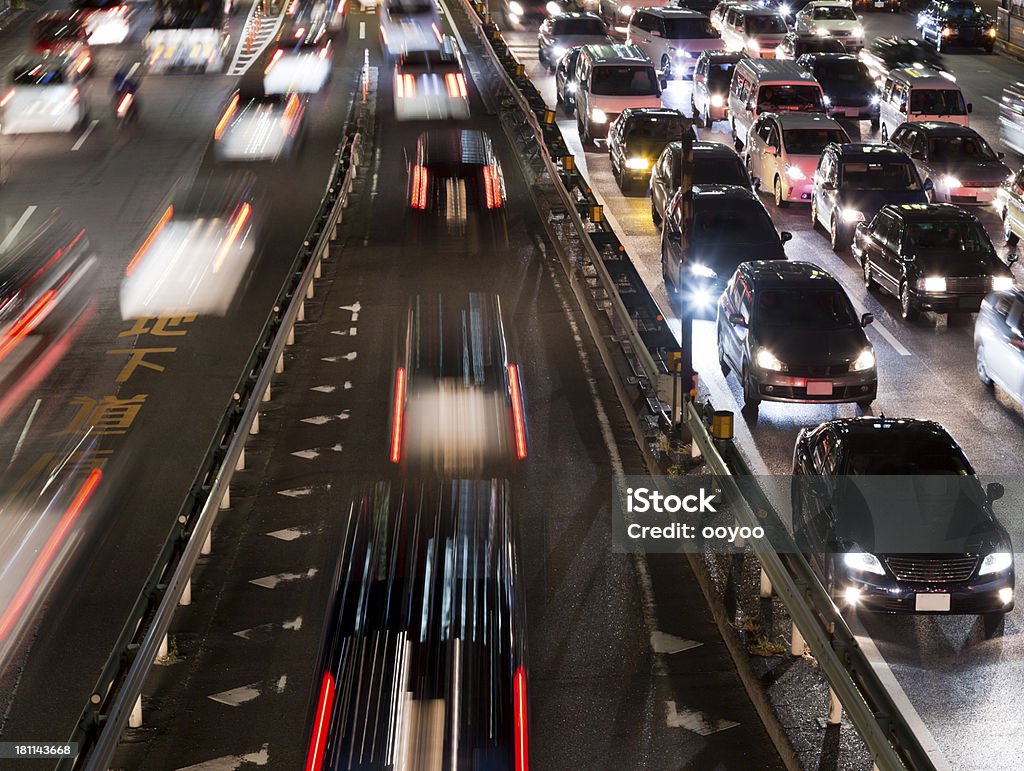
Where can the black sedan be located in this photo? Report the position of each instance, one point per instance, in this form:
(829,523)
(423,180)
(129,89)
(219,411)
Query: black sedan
(932,257)
(893,519)
(714,163)
(957,22)
(850,90)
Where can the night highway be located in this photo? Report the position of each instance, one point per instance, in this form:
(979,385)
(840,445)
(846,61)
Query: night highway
(415,568)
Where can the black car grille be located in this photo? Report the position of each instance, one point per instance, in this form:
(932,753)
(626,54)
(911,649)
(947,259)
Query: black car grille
(940,569)
(979,184)
(820,370)
(851,101)
(968,285)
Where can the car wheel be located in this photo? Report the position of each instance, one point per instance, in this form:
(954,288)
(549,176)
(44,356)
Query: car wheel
(993,624)
(814,213)
(670,285)
(869,279)
(751,399)
(908,309)
(930,194)
(698,118)
(655,217)
(721,358)
(666,71)
(875,123)
(885,134)
(983,376)
(780,199)
(1008,234)
(835,235)
(735,137)
(865,404)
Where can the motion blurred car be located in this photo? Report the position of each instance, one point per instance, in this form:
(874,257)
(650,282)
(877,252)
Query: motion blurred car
(1011,117)
(259,127)
(957,22)
(936,257)
(850,90)
(730,226)
(853,181)
(782,152)
(455,173)
(959,163)
(1010,202)
(885,54)
(618,12)
(700,6)
(673,38)
(828,18)
(794,45)
(44,94)
(893,518)
(433,646)
(567,80)
(713,164)
(457,405)
(301,62)
(63,33)
(636,140)
(559,33)
(712,75)
(409,25)
(999,342)
(107,22)
(431,85)
(198,252)
(789,333)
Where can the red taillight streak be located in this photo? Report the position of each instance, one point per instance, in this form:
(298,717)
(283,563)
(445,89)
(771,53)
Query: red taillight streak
(517,411)
(492,187)
(277,55)
(341,7)
(399,416)
(124,104)
(7,97)
(456,84)
(149,240)
(405,86)
(53,544)
(315,758)
(437,33)
(522,745)
(236,228)
(223,124)
(419,188)
(28,321)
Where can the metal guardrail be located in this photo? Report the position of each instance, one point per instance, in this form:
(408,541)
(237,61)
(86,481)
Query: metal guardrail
(116,699)
(816,619)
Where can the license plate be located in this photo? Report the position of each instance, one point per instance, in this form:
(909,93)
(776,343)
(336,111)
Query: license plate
(931,601)
(819,387)
(879,4)
(767,54)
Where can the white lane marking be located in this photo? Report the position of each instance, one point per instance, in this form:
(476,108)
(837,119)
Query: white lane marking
(293,625)
(239,695)
(13,232)
(319,420)
(232,762)
(272,582)
(24,431)
(348,384)
(663,642)
(324,389)
(85,135)
(899,697)
(296,492)
(695,721)
(362,30)
(347,357)
(289,533)
(994,101)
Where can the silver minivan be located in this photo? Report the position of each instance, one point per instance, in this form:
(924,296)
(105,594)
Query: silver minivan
(611,78)
(999,342)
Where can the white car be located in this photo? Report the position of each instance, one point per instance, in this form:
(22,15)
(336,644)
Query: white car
(259,127)
(431,85)
(44,96)
(753,30)
(782,151)
(673,38)
(828,18)
(618,12)
(717,15)
(301,63)
(107,22)
(409,25)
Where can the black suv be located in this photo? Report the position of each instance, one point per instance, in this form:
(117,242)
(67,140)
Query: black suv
(932,257)
(730,226)
(893,519)
(790,333)
(850,91)
(887,53)
(636,140)
(959,22)
(794,45)
(713,164)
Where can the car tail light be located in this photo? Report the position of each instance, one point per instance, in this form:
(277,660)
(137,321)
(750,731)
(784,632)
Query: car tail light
(291,111)
(29,320)
(7,97)
(518,418)
(123,105)
(318,741)
(226,118)
(164,219)
(277,55)
(236,227)
(84,65)
(405,86)
(492,187)
(398,414)
(437,33)
(519,724)
(418,197)
(456,83)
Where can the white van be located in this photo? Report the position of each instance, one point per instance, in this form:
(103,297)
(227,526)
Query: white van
(920,94)
(754,30)
(770,85)
(612,77)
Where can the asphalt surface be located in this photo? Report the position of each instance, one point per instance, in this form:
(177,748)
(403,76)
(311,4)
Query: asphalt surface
(959,684)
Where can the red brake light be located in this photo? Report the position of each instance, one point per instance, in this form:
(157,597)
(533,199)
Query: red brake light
(518,419)
(236,228)
(519,712)
(123,105)
(405,86)
(318,741)
(492,187)
(398,415)
(456,83)
(223,124)
(149,240)
(277,55)
(418,198)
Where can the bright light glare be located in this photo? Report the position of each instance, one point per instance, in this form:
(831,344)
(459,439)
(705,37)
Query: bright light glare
(996,562)
(863,562)
(597,115)
(1006,595)
(1002,283)
(717,100)
(794,172)
(852,595)
(866,360)
(637,164)
(852,215)
(935,284)
(768,360)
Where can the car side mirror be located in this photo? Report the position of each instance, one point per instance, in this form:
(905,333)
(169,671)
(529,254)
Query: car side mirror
(785,236)
(1012,257)
(737,320)
(828,185)
(970,107)
(928,185)
(994,491)
(866,318)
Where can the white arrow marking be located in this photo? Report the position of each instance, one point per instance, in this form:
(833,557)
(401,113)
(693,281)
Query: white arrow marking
(337,447)
(325,389)
(695,721)
(231,762)
(663,642)
(348,384)
(354,307)
(289,533)
(271,582)
(296,492)
(306,454)
(263,629)
(319,420)
(338,332)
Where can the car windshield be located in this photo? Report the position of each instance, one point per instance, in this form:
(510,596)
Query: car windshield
(917,453)
(689,29)
(789,98)
(37,75)
(965,11)
(811,141)
(932,101)
(842,71)
(59,30)
(719,171)
(766,25)
(720,76)
(662,129)
(960,148)
(412,8)
(834,13)
(804,308)
(967,237)
(624,81)
(732,221)
(896,176)
(578,27)
(819,45)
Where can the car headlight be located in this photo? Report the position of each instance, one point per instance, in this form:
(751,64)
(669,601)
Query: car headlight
(784,9)
(553,8)
(516,8)
(754,46)
(702,270)
(626,11)
(1002,283)
(570,88)
(821,32)
(857,32)
(996,562)
(597,115)
(863,562)
(933,284)
(638,164)
(557,52)
(768,360)
(794,172)
(852,215)
(991,32)
(717,100)
(876,100)
(947,31)
(949,181)
(866,360)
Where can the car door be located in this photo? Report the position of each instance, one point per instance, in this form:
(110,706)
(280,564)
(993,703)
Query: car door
(640,26)
(878,243)
(671,242)
(828,189)
(1013,351)
(756,141)
(700,75)
(890,264)
(728,340)
(772,165)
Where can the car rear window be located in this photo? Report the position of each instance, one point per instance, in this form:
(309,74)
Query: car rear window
(834,13)
(689,29)
(936,101)
(624,81)
(579,27)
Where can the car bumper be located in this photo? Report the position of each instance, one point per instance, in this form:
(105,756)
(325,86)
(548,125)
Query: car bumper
(858,112)
(888,595)
(968,195)
(946,302)
(799,191)
(778,387)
